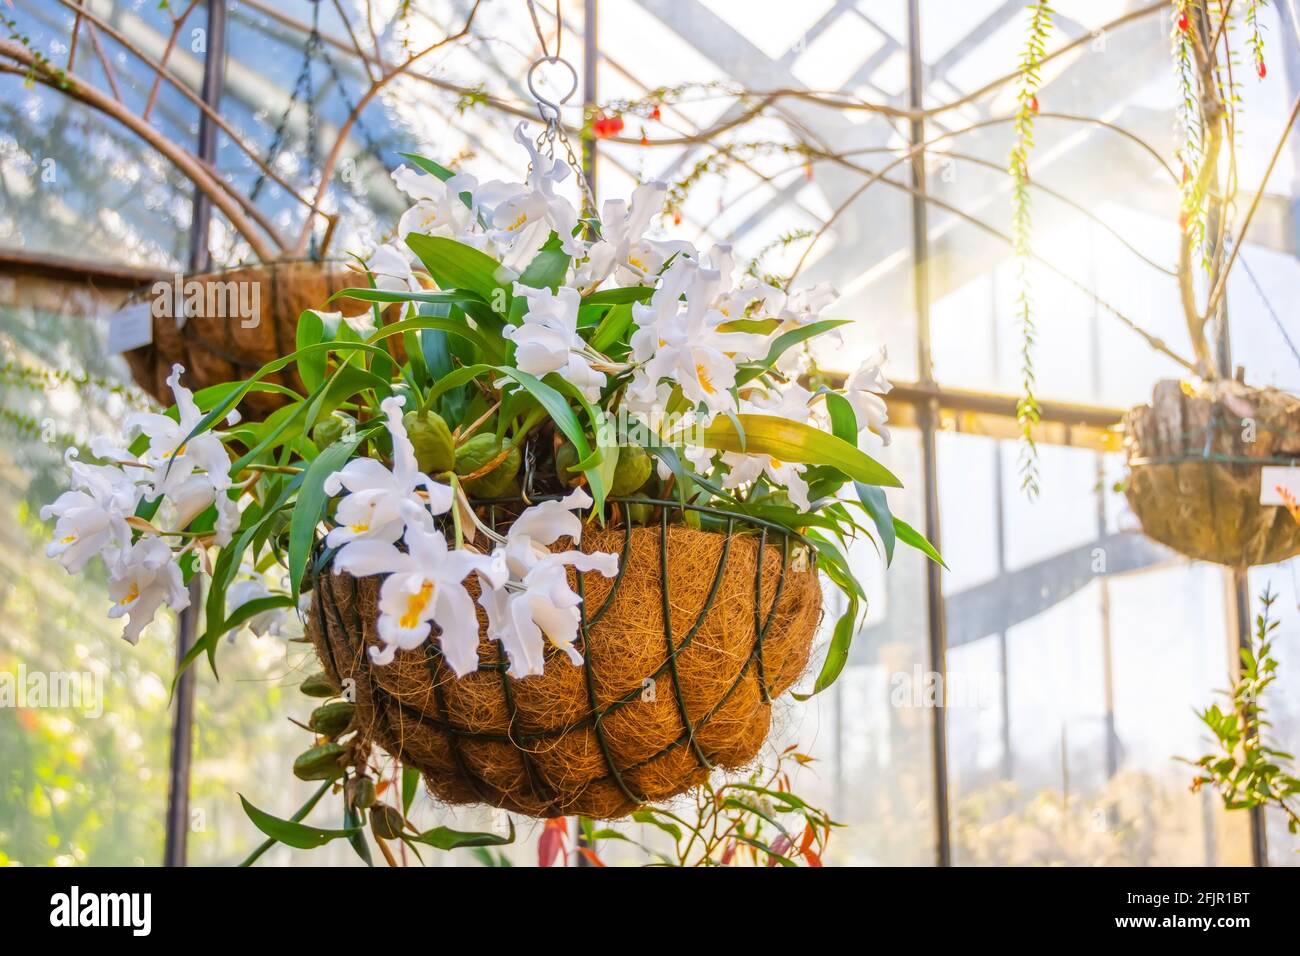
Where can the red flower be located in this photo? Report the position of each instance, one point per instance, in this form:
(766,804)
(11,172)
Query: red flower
(551,844)
(654,113)
(1261,69)
(1033,103)
(606,126)
(1182,22)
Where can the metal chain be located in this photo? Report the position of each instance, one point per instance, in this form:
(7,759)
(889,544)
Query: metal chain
(549,109)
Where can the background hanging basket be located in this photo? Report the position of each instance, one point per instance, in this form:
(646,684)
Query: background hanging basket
(637,723)
(1194,470)
(219,349)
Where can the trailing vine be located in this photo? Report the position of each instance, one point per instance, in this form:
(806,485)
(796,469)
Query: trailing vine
(1255,36)
(1191,152)
(40,62)
(1028,411)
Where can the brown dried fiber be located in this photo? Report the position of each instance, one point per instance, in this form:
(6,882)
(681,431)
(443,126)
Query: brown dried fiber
(1192,499)
(219,349)
(552,758)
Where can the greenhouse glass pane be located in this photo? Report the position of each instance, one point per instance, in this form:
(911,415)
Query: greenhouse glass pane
(1076,653)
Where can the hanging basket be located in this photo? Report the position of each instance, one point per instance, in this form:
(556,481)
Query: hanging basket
(1195,463)
(648,714)
(218,346)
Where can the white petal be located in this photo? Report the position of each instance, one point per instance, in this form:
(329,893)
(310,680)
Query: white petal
(454,614)
(362,558)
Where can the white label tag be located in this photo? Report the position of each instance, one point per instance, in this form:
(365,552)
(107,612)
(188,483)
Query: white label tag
(1273,477)
(130,328)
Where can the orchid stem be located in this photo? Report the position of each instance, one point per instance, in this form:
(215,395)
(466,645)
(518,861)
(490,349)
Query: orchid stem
(455,510)
(529,423)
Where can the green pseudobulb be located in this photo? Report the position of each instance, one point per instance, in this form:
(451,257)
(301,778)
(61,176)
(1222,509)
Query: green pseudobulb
(330,429)
(566,456)
(632,472)
(476,454)
(435,452)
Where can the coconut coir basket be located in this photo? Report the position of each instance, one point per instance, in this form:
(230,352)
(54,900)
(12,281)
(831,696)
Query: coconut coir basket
(216,347)
(1195,463)
(684,652)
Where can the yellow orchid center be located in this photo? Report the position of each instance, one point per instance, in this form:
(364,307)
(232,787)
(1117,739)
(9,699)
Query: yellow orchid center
(68,539)
(131,595)
(774,463)
(636,263)
(523,218)
(358,528)
(416,603)
(706,382)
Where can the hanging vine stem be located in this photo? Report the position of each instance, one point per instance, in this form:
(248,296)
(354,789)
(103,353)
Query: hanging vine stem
(1200,114)
(1028,411)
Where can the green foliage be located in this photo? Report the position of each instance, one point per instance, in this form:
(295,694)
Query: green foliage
(1243,769)
(755,821)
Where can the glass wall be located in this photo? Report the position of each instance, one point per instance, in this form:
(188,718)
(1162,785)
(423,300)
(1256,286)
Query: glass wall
(1076,649)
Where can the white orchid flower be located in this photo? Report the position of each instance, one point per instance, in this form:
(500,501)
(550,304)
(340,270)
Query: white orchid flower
(253,588)
(373,509)
(92,515)
(425,585)
(142,579)
(172,454)
(543,609)
(748,298)
(683,343)
(806,305)
(699,458)
(743,469)
(864,389)
(390,266)
(794,403)
(439,209)
(523,216)
(623,251)
(189,499)
(548,341)
(527,594)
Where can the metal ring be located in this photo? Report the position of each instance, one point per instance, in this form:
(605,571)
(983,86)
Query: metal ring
(548,108)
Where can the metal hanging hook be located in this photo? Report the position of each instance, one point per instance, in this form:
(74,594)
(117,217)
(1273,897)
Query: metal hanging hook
(548,108)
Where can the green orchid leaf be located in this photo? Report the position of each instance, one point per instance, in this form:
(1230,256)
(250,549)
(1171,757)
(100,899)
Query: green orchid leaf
(310,506)
(290,833)
(445,838)
(613,328)
(837,654)
(623,296)
(410,786)
(787,440)
(877,506)
(454,265)
(913,538)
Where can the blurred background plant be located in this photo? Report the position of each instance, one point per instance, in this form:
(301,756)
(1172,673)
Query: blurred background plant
(1244,769)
